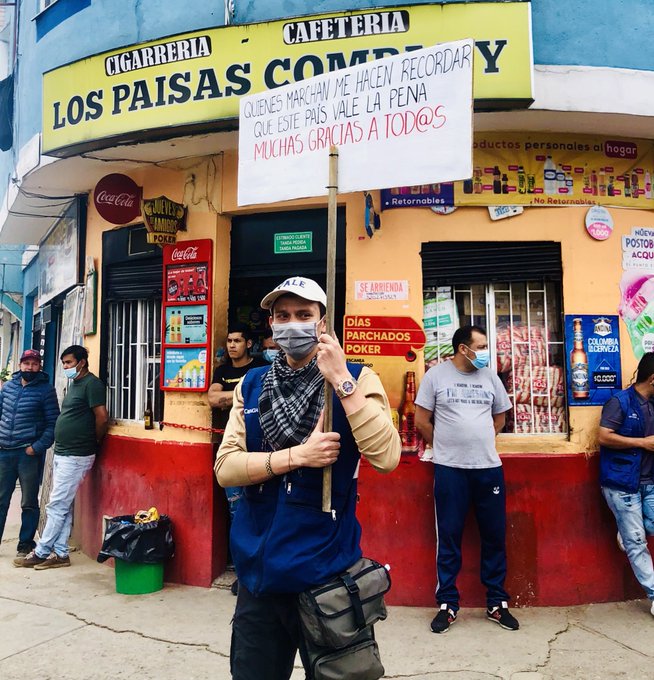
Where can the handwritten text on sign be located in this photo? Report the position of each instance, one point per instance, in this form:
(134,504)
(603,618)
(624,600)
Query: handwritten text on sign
(391,336)
(401,120)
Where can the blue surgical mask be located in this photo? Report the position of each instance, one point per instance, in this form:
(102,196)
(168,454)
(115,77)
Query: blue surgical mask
(270,355)
(482,357)
(72,372)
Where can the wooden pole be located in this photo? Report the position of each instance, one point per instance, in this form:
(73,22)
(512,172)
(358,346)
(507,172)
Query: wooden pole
(331,297)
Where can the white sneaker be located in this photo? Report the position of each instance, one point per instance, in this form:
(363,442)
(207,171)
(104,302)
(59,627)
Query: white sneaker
(651,611)
(621,546)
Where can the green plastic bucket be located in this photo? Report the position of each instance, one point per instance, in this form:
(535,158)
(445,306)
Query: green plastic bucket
(137,579)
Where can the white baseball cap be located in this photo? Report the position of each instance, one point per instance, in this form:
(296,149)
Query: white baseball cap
(296,285)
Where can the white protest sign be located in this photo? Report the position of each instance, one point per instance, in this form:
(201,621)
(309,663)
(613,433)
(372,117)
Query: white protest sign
(398,121)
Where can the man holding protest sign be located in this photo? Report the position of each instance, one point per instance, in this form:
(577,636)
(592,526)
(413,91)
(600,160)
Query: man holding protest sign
(274,446)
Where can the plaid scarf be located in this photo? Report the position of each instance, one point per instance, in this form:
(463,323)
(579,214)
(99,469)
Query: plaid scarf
(290,403)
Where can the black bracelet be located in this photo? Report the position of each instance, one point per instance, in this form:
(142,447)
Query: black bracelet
(269,470)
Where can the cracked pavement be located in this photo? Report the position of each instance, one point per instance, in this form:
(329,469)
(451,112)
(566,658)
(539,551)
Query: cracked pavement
(70,623)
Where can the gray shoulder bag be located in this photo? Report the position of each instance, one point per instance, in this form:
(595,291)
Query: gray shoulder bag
(337,623)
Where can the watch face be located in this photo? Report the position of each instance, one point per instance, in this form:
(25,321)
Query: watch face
(347,387)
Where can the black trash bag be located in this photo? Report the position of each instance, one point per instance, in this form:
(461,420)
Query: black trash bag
(147,543)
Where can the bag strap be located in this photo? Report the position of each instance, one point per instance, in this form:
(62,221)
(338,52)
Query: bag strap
(357,609)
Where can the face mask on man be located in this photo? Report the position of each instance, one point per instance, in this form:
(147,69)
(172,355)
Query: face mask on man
(270,355)
(297,339)
(28,376)
(482,357)
(72,372)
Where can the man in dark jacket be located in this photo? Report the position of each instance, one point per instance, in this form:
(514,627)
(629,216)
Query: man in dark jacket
(28,412)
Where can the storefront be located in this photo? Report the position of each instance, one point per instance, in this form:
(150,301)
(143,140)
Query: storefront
(437,257)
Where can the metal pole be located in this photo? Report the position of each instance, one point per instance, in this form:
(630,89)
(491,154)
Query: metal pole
(331,296)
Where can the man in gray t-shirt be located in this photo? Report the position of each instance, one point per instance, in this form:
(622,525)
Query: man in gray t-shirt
(460,407)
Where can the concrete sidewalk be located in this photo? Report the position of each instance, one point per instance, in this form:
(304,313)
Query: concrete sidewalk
(70,623)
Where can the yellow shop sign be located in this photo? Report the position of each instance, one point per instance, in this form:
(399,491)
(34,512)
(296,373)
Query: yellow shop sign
(194,80)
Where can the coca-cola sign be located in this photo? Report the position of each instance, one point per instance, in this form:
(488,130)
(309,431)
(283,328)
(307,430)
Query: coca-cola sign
(184,254)
(117,199)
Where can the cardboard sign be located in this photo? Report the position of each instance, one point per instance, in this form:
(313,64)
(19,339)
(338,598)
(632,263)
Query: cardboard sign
(404,119)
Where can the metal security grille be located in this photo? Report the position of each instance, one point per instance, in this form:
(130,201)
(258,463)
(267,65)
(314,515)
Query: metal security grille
(525,336)
(134,358)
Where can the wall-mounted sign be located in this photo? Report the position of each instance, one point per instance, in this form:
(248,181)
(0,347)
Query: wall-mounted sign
(163,219)
(599,223)
(534,169)
(637,289)
(58,257)
(293,242)
(117,198)
(593,358)
(419,196)
(186,324)
(415,109)
(198,78)
(381,290)
(375,336)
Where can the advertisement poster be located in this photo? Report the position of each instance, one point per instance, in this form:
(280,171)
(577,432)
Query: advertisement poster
(593,358)
(187,279)
(186,325)
(185,368)
(415,108)
(186,284)
(58,258)
(530,169)
(637,289)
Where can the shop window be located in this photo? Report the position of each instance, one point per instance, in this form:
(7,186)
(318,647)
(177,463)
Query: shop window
(134,358)
(525,336)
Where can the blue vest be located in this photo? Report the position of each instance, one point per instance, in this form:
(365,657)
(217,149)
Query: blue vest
(281,541)
(620,468)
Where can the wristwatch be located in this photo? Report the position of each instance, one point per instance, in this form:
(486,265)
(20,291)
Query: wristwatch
(345,387)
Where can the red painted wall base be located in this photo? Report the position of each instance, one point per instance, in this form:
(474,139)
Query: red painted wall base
(561,546)
(560,536)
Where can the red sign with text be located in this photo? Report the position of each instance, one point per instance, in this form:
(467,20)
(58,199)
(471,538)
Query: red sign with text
(390,336)
(117,198)
(186,316)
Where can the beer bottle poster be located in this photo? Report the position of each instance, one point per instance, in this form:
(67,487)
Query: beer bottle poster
(592,344)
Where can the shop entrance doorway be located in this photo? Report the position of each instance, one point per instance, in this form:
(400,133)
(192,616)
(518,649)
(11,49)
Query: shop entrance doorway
(268,248)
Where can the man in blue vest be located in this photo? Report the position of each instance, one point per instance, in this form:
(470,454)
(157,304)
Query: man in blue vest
(626,437)
(28,413)
(282,543)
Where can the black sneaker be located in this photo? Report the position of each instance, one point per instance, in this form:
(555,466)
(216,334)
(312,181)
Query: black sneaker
(503,616)
(443,620)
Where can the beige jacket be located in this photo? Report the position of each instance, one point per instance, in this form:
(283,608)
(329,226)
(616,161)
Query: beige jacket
(372,427)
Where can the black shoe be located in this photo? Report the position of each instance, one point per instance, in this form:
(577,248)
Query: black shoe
(503,616)
(443,620)
(234,587)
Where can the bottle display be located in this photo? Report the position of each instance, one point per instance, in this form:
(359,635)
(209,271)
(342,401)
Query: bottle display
(549,176)
(148,423)
(408,432)
(579,363)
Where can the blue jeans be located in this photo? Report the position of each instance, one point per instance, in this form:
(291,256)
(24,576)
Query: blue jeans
(15,464)
(634,514)
(67,474)
(455,490)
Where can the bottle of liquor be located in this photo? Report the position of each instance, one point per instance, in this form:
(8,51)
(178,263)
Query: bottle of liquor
(522,180)
(549,176)
(147,416)
(408,432)
(627,185)
(579,363)
(505,184)
(601,182)
(477,186)
(635,191)
(497,180)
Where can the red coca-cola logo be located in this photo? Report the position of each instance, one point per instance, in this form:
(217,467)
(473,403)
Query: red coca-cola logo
(185,254)
(117,199)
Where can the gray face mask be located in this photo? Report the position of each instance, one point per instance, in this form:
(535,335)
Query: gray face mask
(297,339)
